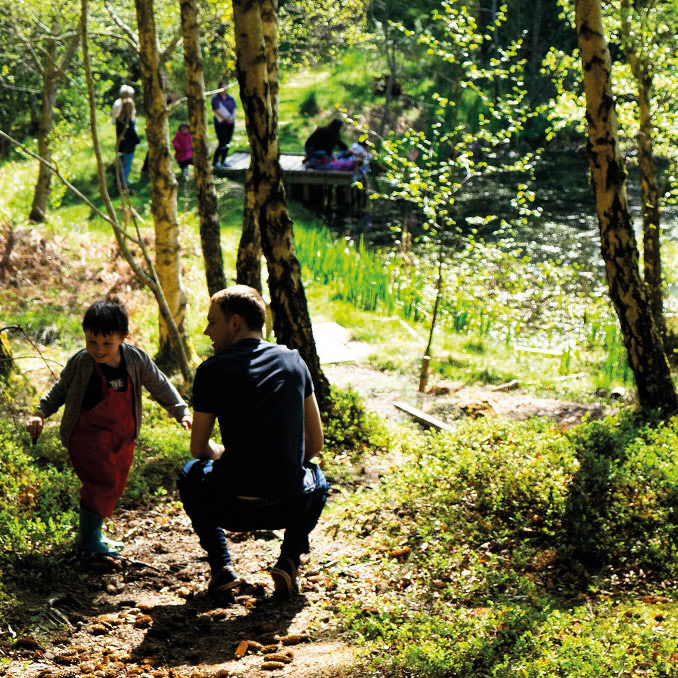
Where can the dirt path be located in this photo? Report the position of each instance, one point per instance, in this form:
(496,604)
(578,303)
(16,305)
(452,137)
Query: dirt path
(450,401)
(147,615)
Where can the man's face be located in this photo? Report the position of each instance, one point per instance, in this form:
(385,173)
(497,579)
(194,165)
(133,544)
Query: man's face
(219,328)
(104,348)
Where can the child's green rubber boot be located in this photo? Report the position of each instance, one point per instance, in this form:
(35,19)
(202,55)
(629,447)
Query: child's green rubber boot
(90,538)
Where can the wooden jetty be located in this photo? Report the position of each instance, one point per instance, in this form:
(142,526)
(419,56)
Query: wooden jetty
(326,188)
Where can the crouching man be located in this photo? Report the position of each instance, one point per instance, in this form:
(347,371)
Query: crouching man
(261,477)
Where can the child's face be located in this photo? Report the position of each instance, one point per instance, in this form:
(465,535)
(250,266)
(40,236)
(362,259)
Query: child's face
(104,348)
(184,129)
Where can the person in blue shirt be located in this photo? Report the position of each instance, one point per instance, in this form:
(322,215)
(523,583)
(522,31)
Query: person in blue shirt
(224,108)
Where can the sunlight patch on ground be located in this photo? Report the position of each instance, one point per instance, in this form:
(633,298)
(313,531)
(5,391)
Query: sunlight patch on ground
(335,344)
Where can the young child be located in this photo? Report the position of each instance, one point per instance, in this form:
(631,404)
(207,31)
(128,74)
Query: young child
(101,389)
(183,148)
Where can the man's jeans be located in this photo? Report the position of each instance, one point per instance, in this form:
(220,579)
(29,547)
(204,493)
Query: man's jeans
(210,510)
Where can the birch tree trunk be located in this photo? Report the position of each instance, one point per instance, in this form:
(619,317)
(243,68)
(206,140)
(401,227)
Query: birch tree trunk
(248,264)
(163,186)
(255,26)
(652,262)
(620,253)
(6,358)
(210,232)
(640,61)
(52,75)
(148,277)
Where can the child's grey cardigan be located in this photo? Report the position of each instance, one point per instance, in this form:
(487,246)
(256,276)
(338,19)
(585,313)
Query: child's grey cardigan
(72,384)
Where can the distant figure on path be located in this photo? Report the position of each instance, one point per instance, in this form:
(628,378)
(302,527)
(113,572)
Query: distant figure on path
(262,476)
(126,92)
(101,389)
(224,108)
(183,148)
(127,140)
(321,144)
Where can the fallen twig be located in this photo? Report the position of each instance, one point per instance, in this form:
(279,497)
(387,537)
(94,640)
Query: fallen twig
(32,343)
(141,563)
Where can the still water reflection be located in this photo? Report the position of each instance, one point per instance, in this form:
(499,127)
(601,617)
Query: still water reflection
(566,229)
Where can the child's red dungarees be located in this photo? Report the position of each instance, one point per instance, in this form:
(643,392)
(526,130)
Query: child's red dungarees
(102,448)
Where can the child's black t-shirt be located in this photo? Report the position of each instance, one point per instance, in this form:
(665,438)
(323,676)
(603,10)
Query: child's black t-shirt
(116,378)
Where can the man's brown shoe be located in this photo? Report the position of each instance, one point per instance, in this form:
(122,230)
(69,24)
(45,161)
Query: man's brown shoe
(285,576)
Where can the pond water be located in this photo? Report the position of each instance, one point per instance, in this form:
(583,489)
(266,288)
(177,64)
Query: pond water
(566,230)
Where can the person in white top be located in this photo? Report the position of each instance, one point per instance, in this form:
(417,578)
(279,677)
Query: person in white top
(126,92)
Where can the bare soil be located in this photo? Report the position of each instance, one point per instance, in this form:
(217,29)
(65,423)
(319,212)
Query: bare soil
(147,614)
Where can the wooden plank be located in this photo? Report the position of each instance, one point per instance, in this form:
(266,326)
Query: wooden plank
(293,170)
(423,418)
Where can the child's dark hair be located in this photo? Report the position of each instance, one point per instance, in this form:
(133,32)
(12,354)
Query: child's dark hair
(106,317)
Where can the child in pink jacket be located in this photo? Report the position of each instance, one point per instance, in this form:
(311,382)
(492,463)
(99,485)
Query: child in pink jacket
(184,149)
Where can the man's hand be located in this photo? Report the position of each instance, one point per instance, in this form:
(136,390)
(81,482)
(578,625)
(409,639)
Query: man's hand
(201,445)
(216,450)
(34,425)
(187,423)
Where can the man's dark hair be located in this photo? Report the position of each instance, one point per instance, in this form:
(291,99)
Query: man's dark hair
(223,83)
(106,317)
(245,301)
(335,125)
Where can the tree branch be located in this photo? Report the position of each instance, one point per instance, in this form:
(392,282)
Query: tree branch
(27,44)
(68,185)
(171,46)
(4,85)
(122,25)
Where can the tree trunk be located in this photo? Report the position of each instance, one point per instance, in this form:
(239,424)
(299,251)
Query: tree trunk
(620,253)
(6,359)
(210,232)
(652,262)
(390,52)
(536,54)
(150,278)
(163,186)
(52,74)
(248,265)
(255,29)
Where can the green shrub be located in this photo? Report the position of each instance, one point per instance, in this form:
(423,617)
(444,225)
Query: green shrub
(348,427)
(622,508)
(162,449)
(479,541)
(38,502)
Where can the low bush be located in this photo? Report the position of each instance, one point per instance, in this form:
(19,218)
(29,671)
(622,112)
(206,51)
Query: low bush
(622,509)
(39,500)
(348,426)
(517,549)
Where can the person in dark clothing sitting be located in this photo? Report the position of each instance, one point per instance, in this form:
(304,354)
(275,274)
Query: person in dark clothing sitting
(260,477)
(320,145)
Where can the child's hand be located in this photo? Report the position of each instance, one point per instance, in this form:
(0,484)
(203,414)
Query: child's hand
(187,423)
(34,426)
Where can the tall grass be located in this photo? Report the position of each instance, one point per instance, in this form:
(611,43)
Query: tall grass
(484,297)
